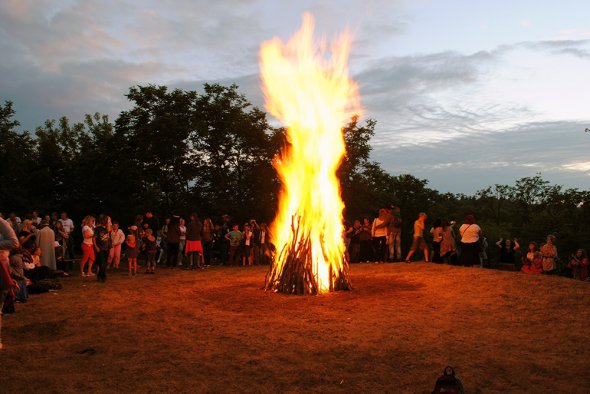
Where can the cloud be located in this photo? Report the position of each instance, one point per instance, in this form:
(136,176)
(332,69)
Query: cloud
(483,159)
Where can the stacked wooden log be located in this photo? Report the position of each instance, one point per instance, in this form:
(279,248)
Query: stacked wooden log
(292,271)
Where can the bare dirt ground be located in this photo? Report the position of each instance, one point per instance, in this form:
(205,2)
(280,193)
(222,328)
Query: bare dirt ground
(216,331)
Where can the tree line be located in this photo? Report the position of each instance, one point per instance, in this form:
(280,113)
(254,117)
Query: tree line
(178,151)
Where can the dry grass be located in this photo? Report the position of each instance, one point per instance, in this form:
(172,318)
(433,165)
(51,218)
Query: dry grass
(216,331)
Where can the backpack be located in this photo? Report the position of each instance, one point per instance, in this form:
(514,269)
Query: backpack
(448,383)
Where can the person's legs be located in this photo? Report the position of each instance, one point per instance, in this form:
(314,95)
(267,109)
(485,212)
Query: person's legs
(397,243)
(70,246)
(101,274)
(111,257)
(412,249)
(207,252)
(232,255)
(172,257)
(86,251)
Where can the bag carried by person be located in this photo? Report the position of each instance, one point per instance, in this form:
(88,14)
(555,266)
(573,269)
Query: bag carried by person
(448,383)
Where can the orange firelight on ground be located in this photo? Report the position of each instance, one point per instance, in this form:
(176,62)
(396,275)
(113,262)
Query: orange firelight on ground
(314,97)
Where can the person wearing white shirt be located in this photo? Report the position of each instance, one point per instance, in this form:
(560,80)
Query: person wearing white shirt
(470,234)
(117,239)
(68,226)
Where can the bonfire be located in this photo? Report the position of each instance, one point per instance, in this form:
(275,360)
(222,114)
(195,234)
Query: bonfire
(312,94)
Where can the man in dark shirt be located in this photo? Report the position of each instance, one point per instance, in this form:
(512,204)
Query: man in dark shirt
(152,221)
(103,245)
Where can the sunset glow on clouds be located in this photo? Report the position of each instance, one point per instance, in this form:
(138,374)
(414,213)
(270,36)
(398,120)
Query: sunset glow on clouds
(466,94)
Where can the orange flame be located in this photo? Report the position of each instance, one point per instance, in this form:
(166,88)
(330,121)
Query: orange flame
(314,97)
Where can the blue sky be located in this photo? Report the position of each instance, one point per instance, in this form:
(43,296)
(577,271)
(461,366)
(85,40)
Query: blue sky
(466,93)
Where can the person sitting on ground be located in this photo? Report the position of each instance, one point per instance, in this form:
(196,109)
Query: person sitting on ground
(578,265)
(27,237)
(42,277)
(532,262)
(549,253)
(17,273)
(507,250)
(419,242)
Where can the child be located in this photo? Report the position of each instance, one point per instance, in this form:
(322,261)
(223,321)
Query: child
(131,253)
(151,248)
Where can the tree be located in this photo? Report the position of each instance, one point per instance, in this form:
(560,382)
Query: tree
(16,158)
(232,148)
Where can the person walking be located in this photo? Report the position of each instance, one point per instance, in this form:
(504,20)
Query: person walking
(419,242)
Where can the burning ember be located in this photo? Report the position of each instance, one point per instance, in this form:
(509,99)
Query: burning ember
(314,97)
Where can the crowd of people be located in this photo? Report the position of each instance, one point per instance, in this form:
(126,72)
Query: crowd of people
(379,240)
(37,251)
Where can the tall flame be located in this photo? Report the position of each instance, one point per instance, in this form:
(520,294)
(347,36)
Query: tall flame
(314,96)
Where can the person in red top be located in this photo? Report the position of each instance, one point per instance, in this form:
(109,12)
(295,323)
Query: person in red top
(579,265)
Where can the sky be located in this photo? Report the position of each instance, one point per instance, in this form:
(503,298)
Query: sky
(466,94)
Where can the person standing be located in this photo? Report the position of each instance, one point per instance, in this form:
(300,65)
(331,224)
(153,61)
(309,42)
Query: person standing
(578,264)
(437,237)
(224,248)
(164,240)
(234,238)
(194,247)
(117,239)
(366,252)
(8,242)
(470,234)
(208,230)
(419,242)
(549,253)
(379,234)
(102,242)
(68,226)
(152,221)
(448,247)
(46,242)
(88,255)
(354,248)
(182,238)
(265,245)
(396,234)
(173,241)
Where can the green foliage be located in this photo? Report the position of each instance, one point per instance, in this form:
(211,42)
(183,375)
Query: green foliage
(211,152)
